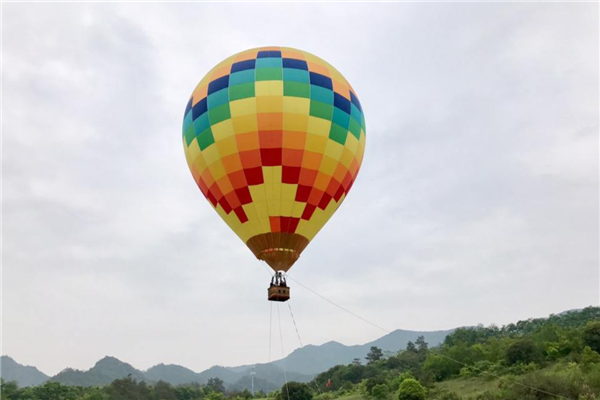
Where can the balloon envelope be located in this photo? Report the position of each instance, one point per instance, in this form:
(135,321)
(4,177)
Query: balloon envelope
(274,138)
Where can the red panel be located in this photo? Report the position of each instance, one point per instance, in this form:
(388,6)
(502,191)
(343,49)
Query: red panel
(315,196)
(284,223)
(302,193)
(212,199)
(292,157)
(202,186)
(324,201)
(237,179)
(275,226)
(241,214)
(339,193)
(290,174)
(293,225)
(307,176)
(214,189)
(270,157)
(332,187)
(270,139)
(226,207)
(244,195)
(254,176)
(232,200)
(308,212)
(250,158)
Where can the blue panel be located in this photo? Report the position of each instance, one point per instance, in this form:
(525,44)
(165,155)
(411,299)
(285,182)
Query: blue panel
(321,80)
(242,65)
(267,54)
(355,101)
(296,64)
(188,107)
(218,84)
(341,102)
(200,108)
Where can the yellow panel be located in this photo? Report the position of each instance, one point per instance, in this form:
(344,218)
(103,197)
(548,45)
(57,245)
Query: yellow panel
(225,186)
(268,88)
(298,209)
(287,207)
(288,191)
(244,124)
(217,170)
(269,104)
(257,192)
(192,151)
(200,164)
(316,143)
(234,223)
(334,149)
(328,165)
(352,143)
(347,158)
(296,105)
(295,122)
(254,220)
(309,229)
(227,146)
(222,130)
(243,107)
(211,154)
(318,126)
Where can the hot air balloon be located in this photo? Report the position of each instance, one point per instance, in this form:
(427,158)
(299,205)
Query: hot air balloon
(274,138)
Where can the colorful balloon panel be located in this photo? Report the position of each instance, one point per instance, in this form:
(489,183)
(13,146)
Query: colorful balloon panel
(274,138)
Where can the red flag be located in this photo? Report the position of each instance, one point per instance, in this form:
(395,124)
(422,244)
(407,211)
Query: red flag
(328,382)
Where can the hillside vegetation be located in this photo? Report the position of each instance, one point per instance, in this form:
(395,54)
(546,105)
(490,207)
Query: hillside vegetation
(551,358)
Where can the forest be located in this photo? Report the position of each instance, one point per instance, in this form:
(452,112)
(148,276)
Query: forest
(549,358)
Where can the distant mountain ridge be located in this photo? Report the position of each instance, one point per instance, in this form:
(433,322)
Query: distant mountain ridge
(301,365)
(10,370)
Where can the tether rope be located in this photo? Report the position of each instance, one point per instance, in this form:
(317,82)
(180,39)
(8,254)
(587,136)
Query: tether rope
(283,354)
(437,354)
(314,379)
(270,330)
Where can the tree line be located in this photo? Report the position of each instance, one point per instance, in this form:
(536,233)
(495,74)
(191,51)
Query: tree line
(533,359)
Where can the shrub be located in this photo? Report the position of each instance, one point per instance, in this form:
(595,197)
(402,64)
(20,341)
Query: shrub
(411,389)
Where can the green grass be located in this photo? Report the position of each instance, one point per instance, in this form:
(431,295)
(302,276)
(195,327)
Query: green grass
(468,387)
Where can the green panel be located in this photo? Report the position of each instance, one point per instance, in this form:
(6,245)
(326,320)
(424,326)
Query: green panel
(338,134)
(354,128)
(241,91)
(296,89)
(321,110)
(340,117)
(237,78)
(189,134)
(269,74)
(219,114)
(296,75)
(205,139)
(321,94)
(201,123)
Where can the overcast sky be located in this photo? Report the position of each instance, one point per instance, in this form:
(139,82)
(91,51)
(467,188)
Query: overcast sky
(477,201)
